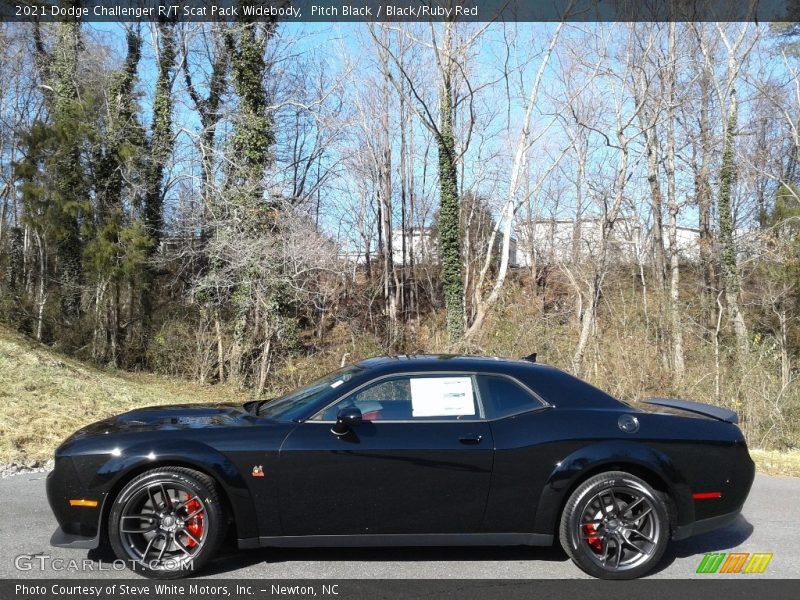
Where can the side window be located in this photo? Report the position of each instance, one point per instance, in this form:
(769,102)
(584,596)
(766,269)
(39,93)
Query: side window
(412,398)
(502,397)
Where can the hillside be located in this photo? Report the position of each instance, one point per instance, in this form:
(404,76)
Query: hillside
(44,396)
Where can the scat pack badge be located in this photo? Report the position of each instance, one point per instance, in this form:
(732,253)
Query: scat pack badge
(258,471)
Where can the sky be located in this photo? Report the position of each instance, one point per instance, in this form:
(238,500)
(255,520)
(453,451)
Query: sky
(486,164)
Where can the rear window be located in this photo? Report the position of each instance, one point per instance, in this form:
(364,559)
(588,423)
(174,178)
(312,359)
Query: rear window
(565,390)
(502,397)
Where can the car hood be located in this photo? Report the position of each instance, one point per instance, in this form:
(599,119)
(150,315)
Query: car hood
(174,417)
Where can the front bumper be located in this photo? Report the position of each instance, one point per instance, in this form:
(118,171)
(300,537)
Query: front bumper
(62,539)
(78,525)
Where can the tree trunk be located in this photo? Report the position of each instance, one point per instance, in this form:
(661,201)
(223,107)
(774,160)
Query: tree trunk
(385,199)
(730,272)
(266,360)
(220,349)
(702,188)
(449,234)
(42,294)
(672,206)
(588,318)
(161,145)
(659,275)
(656,205)
(512,203)
(783,343)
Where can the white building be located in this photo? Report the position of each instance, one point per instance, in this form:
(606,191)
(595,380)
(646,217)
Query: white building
(420,245)
(687,240)
(423,245)
(552,241)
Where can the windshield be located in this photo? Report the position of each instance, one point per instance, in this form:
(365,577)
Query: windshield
(294,405)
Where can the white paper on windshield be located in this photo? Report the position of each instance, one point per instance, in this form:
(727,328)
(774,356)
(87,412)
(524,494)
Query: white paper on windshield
(441,396)
(337,383)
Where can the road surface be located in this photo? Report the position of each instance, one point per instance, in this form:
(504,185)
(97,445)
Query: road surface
(769,523)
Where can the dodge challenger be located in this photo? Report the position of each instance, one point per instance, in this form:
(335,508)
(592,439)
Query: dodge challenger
(405,451)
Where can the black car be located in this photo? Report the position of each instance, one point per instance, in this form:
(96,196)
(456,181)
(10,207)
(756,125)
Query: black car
(406,451)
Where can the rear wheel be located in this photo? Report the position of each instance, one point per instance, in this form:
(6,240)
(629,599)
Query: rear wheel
(615,526)
(167,522)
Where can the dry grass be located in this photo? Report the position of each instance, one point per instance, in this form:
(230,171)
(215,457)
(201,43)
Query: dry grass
(45,396)
(624,359)
(772,462)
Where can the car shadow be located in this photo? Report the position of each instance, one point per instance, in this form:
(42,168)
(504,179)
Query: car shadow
(731,536)
(232,559)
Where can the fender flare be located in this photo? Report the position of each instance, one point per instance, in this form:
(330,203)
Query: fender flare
(591,458)
(184,453)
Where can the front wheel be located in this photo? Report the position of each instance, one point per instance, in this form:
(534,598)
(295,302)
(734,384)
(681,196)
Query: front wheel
(167,522)
(615,526)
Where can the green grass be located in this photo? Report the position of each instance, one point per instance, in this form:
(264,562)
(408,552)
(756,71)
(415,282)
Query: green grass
(45,396)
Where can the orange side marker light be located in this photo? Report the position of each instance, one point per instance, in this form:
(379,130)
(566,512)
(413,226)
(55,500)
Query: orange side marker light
(81,502)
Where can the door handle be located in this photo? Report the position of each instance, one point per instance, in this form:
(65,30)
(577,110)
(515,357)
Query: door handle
(471,439)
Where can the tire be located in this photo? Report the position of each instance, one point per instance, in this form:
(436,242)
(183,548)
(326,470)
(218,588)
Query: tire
(167,522)
(615,526)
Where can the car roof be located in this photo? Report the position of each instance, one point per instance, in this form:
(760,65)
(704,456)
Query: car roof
(445,362)
(558,387)
(437,359)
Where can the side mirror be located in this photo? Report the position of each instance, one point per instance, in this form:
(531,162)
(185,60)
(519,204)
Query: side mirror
(346,419)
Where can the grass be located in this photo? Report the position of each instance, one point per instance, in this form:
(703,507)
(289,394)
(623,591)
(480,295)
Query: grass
(45,396)
(772,462)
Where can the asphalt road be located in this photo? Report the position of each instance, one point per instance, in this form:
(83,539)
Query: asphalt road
(769,523)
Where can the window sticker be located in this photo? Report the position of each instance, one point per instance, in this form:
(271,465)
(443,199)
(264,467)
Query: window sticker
(441,397)
(337,383)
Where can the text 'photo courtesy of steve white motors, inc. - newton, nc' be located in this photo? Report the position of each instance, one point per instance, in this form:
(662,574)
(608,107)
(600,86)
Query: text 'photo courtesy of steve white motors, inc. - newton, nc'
(172,590)
(223,10)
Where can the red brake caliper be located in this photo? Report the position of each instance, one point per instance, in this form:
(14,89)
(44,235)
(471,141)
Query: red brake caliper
(195,524)
(594,542)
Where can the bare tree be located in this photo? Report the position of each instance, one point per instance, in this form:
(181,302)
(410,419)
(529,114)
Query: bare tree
(737,49)
(589,280)
(514,199)
(670,94)
(450,53)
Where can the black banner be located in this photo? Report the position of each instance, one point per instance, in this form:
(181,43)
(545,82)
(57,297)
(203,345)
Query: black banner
(739,588)
(399,10)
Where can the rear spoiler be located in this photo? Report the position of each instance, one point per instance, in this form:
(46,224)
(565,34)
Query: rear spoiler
(715,412)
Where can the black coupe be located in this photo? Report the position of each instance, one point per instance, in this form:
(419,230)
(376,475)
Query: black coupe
(411,451)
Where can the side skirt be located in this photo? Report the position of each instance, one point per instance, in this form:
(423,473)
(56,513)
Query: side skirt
(425,539)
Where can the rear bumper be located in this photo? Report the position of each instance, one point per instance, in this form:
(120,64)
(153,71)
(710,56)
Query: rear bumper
(734,479)
(681,532)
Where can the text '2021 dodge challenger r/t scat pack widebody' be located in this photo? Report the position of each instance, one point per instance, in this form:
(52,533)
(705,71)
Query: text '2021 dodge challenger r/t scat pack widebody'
(412,451)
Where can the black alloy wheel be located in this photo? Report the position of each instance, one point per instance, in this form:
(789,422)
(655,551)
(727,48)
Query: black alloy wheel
(167,522)
(615,526)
